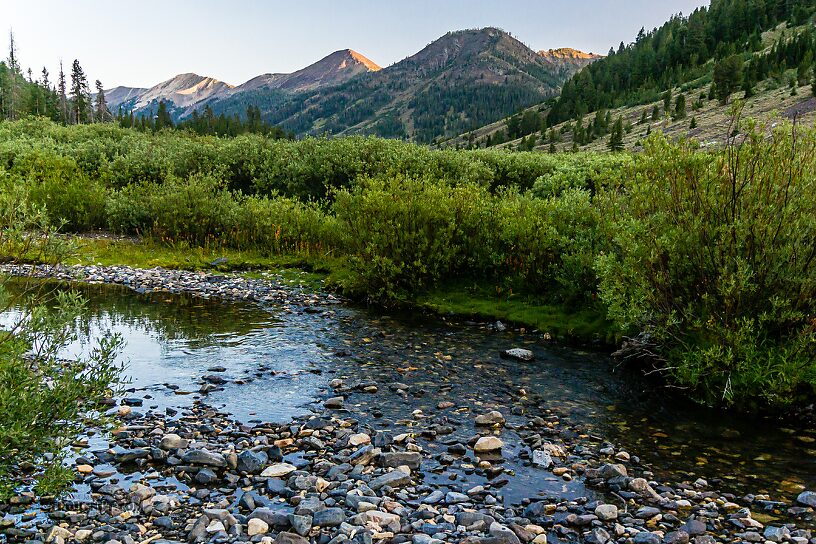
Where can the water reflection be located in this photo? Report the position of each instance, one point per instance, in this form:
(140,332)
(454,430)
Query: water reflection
(277,364)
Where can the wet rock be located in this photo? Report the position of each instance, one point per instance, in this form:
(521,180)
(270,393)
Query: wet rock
(252,462)
(334,403)
(204,457)
(397,459)
(808,498)
(518,354)
(488,444)
(542,459)
(490,419)
(606,512)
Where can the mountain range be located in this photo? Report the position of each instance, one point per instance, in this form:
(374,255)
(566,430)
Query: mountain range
(462,80)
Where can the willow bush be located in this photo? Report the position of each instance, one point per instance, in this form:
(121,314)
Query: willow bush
(715,255)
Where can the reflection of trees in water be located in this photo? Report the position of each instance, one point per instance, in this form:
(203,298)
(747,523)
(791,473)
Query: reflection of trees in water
(168,317)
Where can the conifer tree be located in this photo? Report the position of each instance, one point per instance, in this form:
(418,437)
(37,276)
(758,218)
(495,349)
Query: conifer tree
(679,108)
(616,138)
(63,98)
(102,113)
(80,94)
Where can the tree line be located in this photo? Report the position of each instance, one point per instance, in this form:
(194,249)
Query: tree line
(64,101)
(69,101)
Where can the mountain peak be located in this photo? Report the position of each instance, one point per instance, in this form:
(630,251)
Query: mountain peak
(564,53)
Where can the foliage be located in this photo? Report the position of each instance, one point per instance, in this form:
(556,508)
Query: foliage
(701,249)
(43,398)
(714,257)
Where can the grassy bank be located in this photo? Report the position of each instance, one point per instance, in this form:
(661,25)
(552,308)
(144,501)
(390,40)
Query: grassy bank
(576,325)
(710,253)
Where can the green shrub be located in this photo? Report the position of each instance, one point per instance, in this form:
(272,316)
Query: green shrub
(715,256)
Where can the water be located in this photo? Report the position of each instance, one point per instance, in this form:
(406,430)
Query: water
(278,364)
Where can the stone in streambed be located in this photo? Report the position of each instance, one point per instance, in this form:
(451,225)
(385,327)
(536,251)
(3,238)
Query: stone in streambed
(518,354)
(488,444)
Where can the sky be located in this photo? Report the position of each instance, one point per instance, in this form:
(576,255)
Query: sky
(141,43)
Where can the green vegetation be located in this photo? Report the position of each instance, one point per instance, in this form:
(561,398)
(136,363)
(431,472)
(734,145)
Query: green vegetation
(677,53)
(704,251)
(44,400)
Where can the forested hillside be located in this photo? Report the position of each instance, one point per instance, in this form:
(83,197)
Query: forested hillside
(664,82)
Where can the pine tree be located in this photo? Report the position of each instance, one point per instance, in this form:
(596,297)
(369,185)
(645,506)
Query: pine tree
(616,138)
(80,94)
(727,75)
(102,113)
(63,98)
(12,91)
(667,99)
(679,108)
(693,123)
(813,82)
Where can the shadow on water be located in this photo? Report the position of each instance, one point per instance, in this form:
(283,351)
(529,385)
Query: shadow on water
(277,364)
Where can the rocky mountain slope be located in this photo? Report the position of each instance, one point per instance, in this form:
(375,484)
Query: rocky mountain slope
(460,81)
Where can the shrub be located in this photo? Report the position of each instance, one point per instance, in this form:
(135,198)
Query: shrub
(715,256)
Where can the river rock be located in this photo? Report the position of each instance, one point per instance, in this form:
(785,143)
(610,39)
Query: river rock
(257,526)
(252,462)
(172,442)
(490,418)
(334,403)
(278,470)
(330,517)
(204,457)
(411,459)
(518,354)
(606,512)
(542,459)
(395,478)
(808,498)
(488,444)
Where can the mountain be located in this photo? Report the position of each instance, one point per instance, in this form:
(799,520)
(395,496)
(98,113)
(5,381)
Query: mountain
(569,58)
(334,69)
(120,95)
(680,79)
(462,80)
(187,92)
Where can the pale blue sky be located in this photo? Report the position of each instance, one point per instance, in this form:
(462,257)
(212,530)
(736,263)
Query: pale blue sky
(140,43)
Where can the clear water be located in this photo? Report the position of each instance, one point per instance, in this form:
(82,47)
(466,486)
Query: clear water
(278,364)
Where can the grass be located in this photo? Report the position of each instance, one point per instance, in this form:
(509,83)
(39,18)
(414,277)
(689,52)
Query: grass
(563,323)
(560,321)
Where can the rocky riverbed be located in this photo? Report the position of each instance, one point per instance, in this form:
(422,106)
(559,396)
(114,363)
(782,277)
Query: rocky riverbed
(370,464)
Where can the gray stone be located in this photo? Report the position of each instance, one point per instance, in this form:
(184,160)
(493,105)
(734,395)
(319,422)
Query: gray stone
(645,537)
(252,462)
(808,498)
(395,478)
(518,354)
(204,457)
(606,512)
(330,517)
(411,459)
